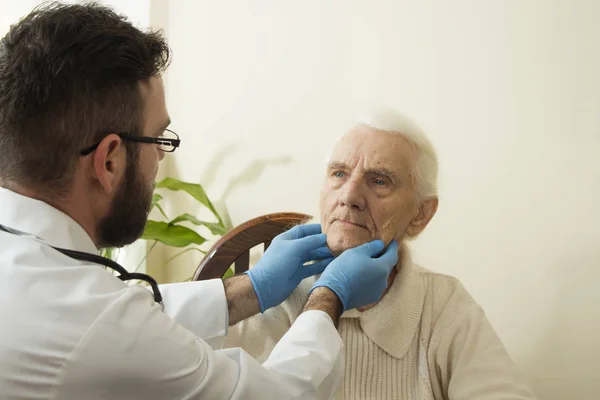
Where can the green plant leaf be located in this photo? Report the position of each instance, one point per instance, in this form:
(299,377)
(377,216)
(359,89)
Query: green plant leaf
(228,274)
(107,253)
(171,235)
(215,227)
(193,189)
(156,198)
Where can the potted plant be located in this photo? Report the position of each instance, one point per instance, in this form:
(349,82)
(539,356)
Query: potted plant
(171,232)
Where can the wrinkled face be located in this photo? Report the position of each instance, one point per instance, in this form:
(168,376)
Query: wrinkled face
(132,201)
(368,192)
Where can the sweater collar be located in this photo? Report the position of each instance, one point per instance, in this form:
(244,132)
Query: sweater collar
(394,321)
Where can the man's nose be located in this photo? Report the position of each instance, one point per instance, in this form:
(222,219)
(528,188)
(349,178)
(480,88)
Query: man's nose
(161,155)
(352,195)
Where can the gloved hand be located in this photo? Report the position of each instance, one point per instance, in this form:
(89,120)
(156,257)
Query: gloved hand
(359,275)
(281,268)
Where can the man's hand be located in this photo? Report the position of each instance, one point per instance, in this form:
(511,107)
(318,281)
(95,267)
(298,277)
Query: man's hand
(282,268)
(360,275)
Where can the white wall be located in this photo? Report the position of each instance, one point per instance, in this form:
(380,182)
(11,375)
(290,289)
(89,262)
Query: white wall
(509,91)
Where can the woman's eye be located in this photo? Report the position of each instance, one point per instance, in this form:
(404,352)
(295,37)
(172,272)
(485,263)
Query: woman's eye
(339,174)
(379,182)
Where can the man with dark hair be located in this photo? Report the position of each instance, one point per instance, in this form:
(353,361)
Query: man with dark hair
(83,127)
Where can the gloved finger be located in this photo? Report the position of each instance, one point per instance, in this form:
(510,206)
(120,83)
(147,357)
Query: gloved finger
(313,242)
(301,231)
(389,258)
(373,249)
(316,268)
(318,254)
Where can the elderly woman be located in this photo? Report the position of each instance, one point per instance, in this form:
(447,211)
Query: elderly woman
(426,338)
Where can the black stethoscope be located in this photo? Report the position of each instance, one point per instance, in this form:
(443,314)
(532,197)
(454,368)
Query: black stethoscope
(124,275)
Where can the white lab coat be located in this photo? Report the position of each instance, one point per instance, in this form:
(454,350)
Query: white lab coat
(71,330)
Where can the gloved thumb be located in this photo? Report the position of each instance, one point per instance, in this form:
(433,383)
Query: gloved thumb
(373,249)
(390,257)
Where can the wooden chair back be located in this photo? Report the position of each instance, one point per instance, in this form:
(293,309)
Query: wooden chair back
(234,247)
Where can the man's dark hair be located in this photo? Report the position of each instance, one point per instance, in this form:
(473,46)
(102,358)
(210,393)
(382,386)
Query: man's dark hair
(69,75)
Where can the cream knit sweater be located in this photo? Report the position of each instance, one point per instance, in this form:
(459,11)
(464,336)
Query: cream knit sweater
(426,339)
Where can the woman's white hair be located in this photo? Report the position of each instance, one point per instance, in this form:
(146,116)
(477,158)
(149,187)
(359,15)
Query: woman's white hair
(426,168)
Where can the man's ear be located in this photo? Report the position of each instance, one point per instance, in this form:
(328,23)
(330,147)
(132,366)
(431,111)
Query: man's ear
(425,214)
(109,162)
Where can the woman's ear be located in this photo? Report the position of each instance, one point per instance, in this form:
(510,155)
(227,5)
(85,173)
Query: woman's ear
(109,162)
(425,214)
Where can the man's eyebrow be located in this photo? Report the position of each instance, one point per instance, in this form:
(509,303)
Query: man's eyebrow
(381,171)
(375,171)
(337,165)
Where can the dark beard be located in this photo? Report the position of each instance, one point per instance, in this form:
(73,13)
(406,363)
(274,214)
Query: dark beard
(129,212)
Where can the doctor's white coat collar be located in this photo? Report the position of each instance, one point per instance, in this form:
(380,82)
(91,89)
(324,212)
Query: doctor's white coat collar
(39,219)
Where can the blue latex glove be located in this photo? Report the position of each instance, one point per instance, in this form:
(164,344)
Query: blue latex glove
(282,268)
(359,275)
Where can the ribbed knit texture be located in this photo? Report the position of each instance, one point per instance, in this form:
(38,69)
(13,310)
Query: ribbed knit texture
(426,339)
(371,373)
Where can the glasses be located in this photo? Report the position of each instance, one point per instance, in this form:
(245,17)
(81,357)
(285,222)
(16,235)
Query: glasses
(166,142)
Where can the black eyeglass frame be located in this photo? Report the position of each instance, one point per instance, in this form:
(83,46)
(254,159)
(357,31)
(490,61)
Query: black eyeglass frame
(141,139)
